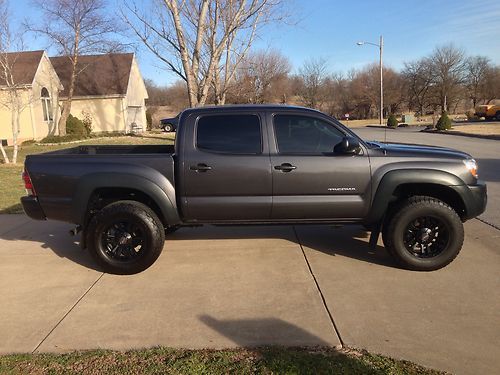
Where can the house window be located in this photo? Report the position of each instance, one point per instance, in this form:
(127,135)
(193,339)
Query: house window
(47,106)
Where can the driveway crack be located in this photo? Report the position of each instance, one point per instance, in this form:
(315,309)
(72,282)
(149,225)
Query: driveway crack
(318,288)
(67,312)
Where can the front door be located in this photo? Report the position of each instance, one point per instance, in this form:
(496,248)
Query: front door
(227,171)
(310,181)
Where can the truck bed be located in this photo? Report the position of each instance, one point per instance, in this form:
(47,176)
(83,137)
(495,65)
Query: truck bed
(60,176)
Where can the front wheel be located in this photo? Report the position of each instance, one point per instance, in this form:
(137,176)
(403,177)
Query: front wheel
(125,237)
(168,128)
(424,234)
(497,117)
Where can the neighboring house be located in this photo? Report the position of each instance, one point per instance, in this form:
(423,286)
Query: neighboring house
(37,87)
(109,88)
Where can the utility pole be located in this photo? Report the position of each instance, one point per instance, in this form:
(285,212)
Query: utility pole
(380,45)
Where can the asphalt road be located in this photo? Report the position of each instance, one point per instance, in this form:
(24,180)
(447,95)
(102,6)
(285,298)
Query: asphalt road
(485,151)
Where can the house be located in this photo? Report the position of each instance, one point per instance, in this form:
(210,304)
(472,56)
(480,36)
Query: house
(29,88)
(109,88)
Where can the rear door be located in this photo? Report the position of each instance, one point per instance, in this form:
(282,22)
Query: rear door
(310,181)
(227,170)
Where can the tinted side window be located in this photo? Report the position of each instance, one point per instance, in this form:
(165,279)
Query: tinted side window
(235,134)
(305,135)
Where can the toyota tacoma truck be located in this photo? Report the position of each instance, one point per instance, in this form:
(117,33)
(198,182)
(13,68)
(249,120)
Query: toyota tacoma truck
(234,165)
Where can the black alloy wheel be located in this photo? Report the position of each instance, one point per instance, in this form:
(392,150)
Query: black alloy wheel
(125,237)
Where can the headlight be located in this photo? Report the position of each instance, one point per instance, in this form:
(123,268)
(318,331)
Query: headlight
(471,166)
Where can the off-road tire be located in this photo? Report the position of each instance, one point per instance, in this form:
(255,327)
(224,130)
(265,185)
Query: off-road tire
(407,212)
(141,216)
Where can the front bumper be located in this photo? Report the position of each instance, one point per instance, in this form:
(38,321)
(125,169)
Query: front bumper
(32,208)
(475,198)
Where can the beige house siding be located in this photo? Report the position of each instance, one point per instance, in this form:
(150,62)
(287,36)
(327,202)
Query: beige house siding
(115,113)
(135,101)
(26,131)
(45,77)
(107,113)
(32,124)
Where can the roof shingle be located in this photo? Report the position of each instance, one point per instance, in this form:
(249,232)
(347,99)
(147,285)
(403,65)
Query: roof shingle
(24,66)
(101,75)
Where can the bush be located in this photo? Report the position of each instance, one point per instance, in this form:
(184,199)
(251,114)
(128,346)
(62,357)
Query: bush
(444,122)
(75,126)
(87,122)
(149,120)
(392,121)
(62,138)
(28,142)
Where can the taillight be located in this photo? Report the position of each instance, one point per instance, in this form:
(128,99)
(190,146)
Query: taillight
(28,185)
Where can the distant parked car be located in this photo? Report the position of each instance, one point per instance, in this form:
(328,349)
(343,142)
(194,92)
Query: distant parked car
(169,124)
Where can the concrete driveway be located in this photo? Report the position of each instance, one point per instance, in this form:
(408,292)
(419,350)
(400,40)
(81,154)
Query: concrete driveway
(246,286)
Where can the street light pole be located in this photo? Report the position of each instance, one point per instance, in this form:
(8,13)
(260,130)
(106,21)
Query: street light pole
(380,45)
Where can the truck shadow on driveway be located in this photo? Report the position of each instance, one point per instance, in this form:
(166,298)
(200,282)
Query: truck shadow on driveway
(346,241)
(349,241)
(270,331)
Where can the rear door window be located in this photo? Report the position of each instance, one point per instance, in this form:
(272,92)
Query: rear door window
(231,134)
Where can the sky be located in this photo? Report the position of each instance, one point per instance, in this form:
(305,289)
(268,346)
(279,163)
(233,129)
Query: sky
(330,29)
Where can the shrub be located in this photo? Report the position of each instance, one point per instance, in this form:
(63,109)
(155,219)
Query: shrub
(62,138)
(87,122)
(392,121)
(75,126)
(149,120)
(444,122)
(28,142)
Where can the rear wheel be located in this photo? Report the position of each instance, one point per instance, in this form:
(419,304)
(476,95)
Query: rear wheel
(168,128)
(497,117)
(125,237)
(423,234)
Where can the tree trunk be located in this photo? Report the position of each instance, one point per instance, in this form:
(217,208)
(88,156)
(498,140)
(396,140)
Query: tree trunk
(67,103)
(4,154)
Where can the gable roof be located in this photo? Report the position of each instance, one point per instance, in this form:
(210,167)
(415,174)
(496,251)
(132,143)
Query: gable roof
(24,66)
(100,75)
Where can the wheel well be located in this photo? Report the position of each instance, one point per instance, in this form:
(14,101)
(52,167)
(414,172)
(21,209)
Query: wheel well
(441,192)
(102,197)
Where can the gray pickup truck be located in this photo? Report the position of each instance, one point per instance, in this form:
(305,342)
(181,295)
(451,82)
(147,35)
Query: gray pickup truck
(257,165)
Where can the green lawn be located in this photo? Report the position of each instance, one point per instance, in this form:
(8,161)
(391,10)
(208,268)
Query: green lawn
(12,187)
(273,360)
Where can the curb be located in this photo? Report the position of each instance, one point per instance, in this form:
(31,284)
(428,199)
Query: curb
(461,134)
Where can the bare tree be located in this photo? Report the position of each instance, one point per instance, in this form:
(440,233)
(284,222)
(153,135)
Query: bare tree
(448,67)
(475,77)
(261,78)
(418,77)
(492,84)
(76,27)
(202,41)
(313,74)
(15,96)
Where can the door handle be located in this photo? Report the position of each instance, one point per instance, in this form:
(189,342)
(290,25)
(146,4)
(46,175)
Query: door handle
(285,167)
(201,167)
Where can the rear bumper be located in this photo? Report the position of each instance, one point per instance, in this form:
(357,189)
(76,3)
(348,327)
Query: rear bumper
(32,208)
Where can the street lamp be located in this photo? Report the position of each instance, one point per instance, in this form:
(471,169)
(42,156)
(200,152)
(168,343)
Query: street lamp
(381,48)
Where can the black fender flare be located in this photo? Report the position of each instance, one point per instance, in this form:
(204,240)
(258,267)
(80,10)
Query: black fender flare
(384,194)
(163,195)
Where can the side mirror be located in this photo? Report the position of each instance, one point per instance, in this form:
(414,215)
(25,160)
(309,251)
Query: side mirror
(348,146)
